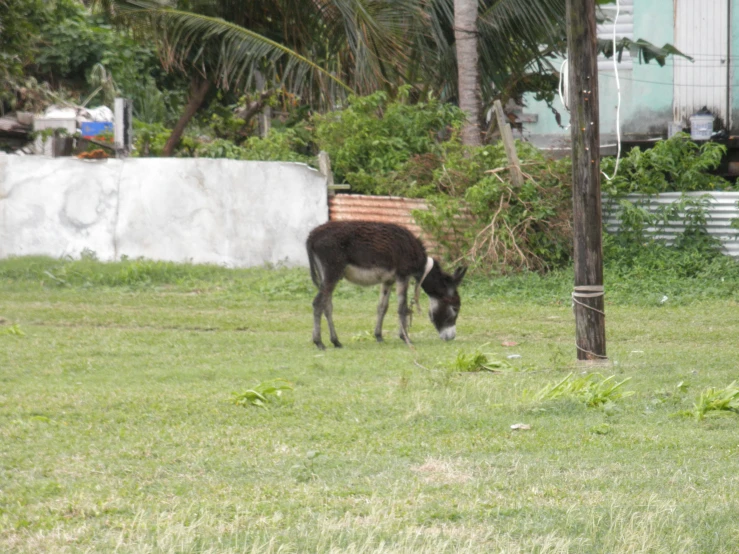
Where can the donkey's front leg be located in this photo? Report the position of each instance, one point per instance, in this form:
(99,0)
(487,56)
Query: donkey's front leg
(401,289)
(382,309)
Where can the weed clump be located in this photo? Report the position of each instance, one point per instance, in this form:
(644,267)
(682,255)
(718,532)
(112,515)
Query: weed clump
(717,401)
(262,394)
(593,390)
(477,361)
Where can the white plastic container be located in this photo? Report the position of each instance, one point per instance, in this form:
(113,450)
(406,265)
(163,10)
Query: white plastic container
(701,127)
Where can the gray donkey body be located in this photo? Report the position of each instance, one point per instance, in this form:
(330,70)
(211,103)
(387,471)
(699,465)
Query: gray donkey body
(370,253)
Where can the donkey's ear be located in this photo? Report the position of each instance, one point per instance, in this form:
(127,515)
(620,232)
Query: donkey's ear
(459,274)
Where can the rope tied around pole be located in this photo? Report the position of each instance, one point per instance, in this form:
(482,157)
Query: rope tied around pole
(581,349)
(588,291)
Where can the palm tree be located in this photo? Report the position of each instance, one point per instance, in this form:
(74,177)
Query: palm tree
(321,50)
(468,84)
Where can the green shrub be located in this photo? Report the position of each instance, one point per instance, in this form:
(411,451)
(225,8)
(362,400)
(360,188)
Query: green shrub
(149,140)
(374,136)
(480,215)
(673,165)
(278,145)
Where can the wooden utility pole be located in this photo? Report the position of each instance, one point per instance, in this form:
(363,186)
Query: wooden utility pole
(584,124)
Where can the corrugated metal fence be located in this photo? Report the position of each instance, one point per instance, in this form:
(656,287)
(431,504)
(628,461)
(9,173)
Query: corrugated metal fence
(392,209)
(721,212)
(387,209)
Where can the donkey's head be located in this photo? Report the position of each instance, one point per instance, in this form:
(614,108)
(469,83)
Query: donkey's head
(444,302)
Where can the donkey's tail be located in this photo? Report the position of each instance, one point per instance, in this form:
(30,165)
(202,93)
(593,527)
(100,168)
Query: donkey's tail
(314,274)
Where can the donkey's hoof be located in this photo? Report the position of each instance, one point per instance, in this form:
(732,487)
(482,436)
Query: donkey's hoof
(336,343)
(320,345)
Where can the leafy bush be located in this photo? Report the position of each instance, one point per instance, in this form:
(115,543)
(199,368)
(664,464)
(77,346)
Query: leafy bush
(374,136)
(674,165)
(149,140)
(64,43)
(278,145)
(20,25)
(496,225)
(73,42)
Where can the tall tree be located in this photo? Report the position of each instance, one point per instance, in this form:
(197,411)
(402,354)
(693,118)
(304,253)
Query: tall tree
(199,87)
(322,50)
(468,88)
(319,49)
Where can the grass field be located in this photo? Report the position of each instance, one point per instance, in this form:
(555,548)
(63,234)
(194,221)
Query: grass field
(119,431)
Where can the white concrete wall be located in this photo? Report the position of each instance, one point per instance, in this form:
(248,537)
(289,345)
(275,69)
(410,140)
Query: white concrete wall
(228,212)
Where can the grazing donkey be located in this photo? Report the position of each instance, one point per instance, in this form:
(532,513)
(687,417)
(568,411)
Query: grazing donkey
(369,253)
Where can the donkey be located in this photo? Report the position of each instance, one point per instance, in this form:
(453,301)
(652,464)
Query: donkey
(369,253)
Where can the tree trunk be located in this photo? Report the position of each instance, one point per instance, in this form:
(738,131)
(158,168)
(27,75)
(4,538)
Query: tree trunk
(465,36)
(254,108)
(199,87)
(265,115)
(590,328)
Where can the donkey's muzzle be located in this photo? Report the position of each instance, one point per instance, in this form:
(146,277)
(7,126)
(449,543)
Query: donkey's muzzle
(448,333)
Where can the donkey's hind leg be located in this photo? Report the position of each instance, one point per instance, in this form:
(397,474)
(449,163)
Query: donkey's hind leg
(322,304)
(402,291)
(319,303)
(329,311)
(382,309)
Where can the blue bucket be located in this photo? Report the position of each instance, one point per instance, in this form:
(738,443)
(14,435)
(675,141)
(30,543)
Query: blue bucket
(91,129)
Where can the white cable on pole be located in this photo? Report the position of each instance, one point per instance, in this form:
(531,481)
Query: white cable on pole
(563,76)
(618,91)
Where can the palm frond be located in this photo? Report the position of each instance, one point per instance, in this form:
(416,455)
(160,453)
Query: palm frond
(516,37)
(225,52)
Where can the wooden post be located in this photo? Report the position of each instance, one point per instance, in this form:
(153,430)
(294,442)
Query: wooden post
(264,117)
(324,166)
(509,144)
(123,126)
(585,129)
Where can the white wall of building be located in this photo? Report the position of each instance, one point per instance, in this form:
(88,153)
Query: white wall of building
(227,212)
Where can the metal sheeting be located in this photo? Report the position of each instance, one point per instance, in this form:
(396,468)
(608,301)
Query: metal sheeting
(394,209)
(701,32)
(387,209)
(722,211)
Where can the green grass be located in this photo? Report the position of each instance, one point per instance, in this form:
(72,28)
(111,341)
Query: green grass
(119,431)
